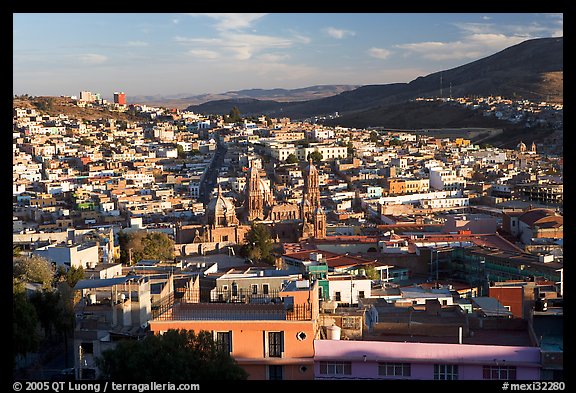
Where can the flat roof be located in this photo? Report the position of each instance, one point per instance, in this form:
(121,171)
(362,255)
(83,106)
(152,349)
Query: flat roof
(104,282)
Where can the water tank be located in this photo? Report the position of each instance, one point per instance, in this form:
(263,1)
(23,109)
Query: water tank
(333,332)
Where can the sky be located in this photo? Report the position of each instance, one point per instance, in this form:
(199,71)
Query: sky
(177,54)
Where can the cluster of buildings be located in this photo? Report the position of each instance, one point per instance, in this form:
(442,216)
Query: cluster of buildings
(529,114)
(397,256)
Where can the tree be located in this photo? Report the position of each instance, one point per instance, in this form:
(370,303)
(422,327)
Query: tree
(74,275)
(234,116)
(180,149)
(34,269)
(24,322)
(138,245)
(374,136)
(351,149)
(316,157)
(47,306)
(371,272)
(258,244)
(291,159)
(177,355)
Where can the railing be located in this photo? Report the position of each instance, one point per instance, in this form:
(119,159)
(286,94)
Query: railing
(160,307)
(170,308)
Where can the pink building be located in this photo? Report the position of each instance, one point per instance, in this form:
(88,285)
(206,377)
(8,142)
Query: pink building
(475,223)
(335,359)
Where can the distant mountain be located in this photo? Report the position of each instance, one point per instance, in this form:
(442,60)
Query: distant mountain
(532,70)
(182,101)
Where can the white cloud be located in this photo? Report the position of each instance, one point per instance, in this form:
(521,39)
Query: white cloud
(204,53)
(137,43)
(175,21)
(338,33)
(92,58)
(272,57)
(241,46)
(232,21)
(486,17)
(379,53)
(475,28)
(472,46)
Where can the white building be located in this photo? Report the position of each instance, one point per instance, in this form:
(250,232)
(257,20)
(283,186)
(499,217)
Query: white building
(345,289)
(69,255)
(446,179)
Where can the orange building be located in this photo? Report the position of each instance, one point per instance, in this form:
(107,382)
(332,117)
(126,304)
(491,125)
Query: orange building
(270,337)
(396,186)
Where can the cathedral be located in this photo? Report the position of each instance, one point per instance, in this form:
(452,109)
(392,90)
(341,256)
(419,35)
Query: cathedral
(285,221)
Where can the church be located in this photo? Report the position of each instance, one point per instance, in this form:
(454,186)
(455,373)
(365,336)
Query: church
(287,222)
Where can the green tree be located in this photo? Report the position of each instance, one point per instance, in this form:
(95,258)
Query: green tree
(74,275)
(145,245)
(351,149)
(16,251)
(181,153)
(258,244)
(34,269)
(84,141)
(371,272)
(47,306)
(177,355)
(374,136)
(234,115)
(316,157)
(24,322)
(291,159)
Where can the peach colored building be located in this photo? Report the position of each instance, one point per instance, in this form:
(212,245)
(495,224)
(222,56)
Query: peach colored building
(271,338)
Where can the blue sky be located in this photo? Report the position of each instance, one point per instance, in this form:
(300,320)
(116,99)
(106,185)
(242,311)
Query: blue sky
(172,54)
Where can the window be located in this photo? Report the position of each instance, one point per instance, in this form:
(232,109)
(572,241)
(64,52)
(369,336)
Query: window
(336,368)
(499,372)
(224,341)
(254,289)
(87,348)
(394,369)
(275,373)
(338,296)
(445,371)
(361,294)
(265,289)
(234,289)
(275,344)
(350,323)
(225,238)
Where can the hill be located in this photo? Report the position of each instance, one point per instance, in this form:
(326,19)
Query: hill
(531,70)
(279,95)
(54,106)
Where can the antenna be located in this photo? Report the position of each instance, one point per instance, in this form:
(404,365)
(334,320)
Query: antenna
(441,85)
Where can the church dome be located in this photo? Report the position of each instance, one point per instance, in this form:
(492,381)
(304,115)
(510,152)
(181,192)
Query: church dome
(221,209)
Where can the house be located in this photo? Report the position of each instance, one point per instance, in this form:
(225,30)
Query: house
(270,337)
(109,309)
(70,254)
(354,360)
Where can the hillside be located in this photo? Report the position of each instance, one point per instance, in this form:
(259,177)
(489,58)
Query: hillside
(532,70)
(54,106)
(418,115)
